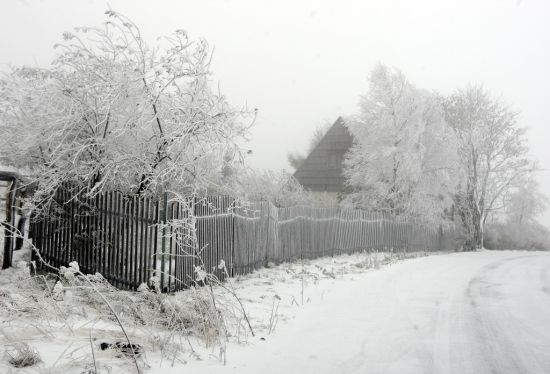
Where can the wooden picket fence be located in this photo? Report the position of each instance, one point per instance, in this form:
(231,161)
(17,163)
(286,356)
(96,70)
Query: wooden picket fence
(135,240)
(111,234)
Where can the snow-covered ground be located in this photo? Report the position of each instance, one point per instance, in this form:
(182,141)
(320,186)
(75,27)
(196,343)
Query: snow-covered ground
(482,312)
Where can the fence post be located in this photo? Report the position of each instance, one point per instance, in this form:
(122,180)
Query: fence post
(267,234)
(162,220)
(233,247)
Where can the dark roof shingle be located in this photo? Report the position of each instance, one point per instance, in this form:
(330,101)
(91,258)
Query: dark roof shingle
(322,168)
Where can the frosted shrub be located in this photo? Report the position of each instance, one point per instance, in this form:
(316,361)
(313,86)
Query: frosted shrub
(22,355)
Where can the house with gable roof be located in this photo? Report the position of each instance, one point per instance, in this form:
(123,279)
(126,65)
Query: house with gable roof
(322,169)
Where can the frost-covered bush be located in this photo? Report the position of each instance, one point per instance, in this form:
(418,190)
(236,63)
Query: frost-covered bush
(115,113)
(281,188)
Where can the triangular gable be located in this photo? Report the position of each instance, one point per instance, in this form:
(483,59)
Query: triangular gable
(322,169)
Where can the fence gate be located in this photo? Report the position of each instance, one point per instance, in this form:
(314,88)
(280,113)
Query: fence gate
(9,215)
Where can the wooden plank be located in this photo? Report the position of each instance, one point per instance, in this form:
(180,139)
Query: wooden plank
(109,250)
(127,247)
(141,241)
(49,243)
(103,234)
(82,258)
(95,233)
(173,255)
(162,220)
(155,226)
(120,244)
(117,237)
(146,246)
(53,239)
(135,217)
(132,243)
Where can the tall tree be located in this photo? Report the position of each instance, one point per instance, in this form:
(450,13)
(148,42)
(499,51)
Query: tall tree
(113,112)
(402,159)
(492,156)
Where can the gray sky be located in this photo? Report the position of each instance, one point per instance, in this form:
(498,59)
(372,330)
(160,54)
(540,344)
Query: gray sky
(303,63)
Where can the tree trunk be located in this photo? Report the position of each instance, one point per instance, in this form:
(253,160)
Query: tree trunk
(472,221)
(477,239)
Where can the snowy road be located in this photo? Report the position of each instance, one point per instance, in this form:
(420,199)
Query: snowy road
(484,312)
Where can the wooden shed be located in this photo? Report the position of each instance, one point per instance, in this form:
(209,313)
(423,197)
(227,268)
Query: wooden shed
(321,171)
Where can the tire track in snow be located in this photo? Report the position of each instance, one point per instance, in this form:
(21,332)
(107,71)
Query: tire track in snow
(497,338)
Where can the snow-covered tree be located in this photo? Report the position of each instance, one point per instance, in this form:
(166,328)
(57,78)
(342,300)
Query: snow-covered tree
(113,112)
(526,202)
(403,156)
(492,156)
(295,159)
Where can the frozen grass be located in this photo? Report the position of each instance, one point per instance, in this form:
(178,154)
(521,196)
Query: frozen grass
(67,319)
(22,355)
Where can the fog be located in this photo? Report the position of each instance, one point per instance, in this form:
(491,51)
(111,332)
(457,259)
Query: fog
(304,64)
